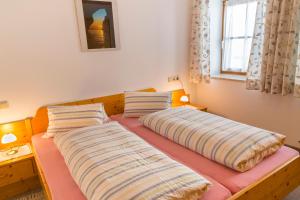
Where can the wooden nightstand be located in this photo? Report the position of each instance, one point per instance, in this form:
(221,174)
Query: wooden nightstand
(18,175)
(201,108)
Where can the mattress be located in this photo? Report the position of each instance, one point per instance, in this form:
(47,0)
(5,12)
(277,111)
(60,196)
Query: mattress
(234,181)
(62,186)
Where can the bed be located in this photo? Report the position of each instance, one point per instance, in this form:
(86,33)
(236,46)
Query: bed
(234,181)
(54,167)
(272,179)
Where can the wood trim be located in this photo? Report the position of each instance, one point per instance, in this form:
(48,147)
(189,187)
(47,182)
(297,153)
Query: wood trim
(274,186)
(114,104)
(26,173)
(222,35)
(176,95)
(41,176)
(198,107)
(21,129)
(15,160)
(222,50)
(233,72)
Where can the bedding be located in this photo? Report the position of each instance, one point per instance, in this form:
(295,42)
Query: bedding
(109,162)
(52,163)
(231,179)
(65,118)
(233,144)
(141,103)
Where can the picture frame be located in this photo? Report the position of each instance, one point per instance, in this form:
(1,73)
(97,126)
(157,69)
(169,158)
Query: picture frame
(98,25)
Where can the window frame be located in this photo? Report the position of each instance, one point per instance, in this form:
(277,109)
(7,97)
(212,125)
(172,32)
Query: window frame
(222,45)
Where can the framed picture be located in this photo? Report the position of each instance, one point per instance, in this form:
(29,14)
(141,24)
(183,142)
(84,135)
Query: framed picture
(98,24)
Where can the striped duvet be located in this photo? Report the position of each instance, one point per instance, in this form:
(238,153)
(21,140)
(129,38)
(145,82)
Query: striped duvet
(233,144)
(110,163)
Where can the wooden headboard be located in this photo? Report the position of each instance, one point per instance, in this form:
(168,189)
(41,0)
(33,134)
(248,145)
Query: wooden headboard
(21,129)
(114,104)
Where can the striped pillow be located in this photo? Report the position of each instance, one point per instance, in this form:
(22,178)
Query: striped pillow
(65,118)
(141,103)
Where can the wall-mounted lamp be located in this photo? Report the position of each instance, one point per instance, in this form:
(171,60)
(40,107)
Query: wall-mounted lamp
(184,99)
(4,104)
(7,139)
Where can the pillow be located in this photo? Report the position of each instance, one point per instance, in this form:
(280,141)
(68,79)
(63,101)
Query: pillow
(66,118)
(141,103)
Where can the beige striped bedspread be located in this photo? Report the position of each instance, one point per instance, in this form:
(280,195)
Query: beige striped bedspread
(230,143)
(110,163)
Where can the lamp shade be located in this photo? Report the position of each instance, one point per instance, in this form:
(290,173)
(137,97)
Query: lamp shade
(8,138)
(184,99)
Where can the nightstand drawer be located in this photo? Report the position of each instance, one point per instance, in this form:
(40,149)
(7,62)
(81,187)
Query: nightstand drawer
(16,172)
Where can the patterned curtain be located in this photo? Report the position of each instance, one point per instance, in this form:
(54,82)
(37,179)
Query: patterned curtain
(274,54)
(297,76)
(200,42)
(255,60)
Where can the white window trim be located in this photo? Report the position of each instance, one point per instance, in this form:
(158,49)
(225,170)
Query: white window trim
(231,74)
(233,77)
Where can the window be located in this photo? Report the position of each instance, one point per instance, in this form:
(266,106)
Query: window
(238,28)
(298,75)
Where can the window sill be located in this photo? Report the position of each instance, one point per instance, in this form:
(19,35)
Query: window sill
(233,77)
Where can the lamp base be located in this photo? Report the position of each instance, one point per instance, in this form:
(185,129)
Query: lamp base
(12,151)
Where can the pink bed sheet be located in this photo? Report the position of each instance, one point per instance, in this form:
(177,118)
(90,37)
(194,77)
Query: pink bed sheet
(56,172)
(234,181)
(62,185)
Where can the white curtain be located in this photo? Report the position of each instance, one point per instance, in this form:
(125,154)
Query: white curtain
(238,39)
(200,42)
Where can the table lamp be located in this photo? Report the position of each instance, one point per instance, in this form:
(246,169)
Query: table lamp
(184,99)
(9,138)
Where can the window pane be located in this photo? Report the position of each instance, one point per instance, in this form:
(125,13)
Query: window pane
(251,13)
(236,55)
(239,23)
(235,20)
(297,76)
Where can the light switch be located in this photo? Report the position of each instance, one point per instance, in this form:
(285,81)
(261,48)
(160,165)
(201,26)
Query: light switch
(173,78)
(4,104)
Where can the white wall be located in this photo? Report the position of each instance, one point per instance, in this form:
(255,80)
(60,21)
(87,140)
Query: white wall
(232,100)
(272,112)
(41,61)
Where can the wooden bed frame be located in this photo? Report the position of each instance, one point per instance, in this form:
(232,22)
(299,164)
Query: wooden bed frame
(274,186)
